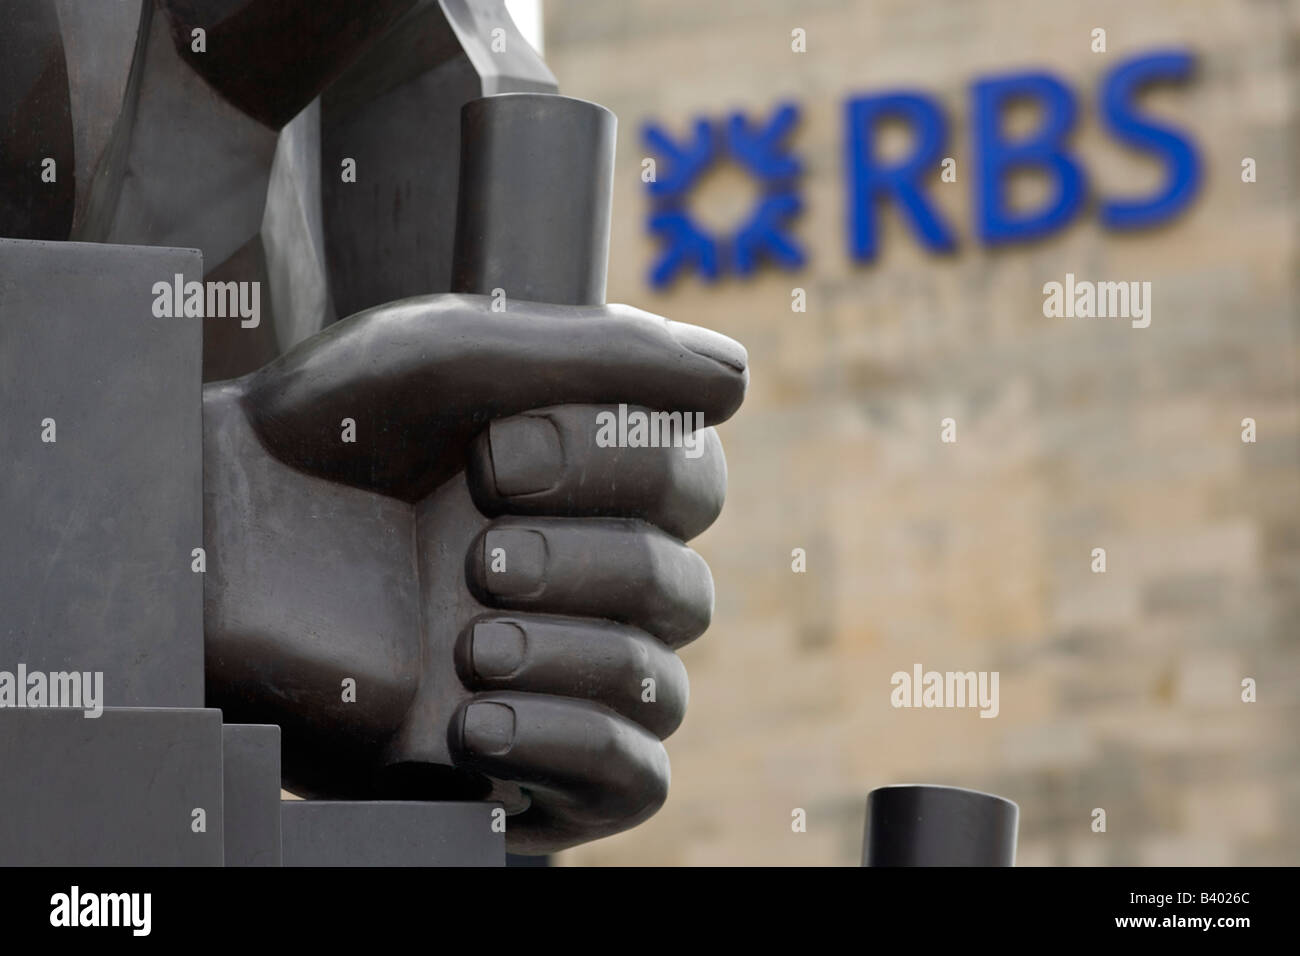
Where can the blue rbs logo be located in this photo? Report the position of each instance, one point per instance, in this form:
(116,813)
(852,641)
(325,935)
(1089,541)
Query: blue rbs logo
(761,149)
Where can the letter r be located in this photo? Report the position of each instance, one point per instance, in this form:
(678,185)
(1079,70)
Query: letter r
(869,181)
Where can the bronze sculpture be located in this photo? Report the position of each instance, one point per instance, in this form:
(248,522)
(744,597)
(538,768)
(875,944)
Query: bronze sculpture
(369,556)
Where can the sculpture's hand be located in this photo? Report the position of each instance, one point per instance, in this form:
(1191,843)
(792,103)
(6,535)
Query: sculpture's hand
(549,582)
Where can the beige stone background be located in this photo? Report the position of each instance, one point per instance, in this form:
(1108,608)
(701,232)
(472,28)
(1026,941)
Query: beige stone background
(1119,690)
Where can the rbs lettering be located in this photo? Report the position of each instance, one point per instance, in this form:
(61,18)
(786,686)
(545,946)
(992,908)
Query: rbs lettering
(872,182)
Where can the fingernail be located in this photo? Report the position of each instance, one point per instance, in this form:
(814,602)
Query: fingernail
(514,561)
(489,727)
(498,648)
(526,455)
(710,344)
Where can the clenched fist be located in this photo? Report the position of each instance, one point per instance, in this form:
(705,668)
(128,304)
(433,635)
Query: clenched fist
(430,565)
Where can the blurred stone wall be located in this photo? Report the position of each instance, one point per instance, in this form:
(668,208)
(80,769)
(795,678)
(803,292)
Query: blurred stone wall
(1119,690)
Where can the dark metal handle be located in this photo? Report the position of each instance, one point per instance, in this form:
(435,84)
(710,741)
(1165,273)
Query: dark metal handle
(536,184)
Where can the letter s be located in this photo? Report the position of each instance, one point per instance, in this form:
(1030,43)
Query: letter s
(1120,116)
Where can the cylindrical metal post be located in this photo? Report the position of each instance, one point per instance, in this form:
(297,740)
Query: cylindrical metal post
(917,825)
(536,183)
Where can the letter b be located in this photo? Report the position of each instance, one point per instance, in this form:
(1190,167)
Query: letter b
(996,157)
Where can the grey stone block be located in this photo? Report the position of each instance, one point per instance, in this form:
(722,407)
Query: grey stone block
(390,833)
(99,525)
(117,790)
(251,774)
